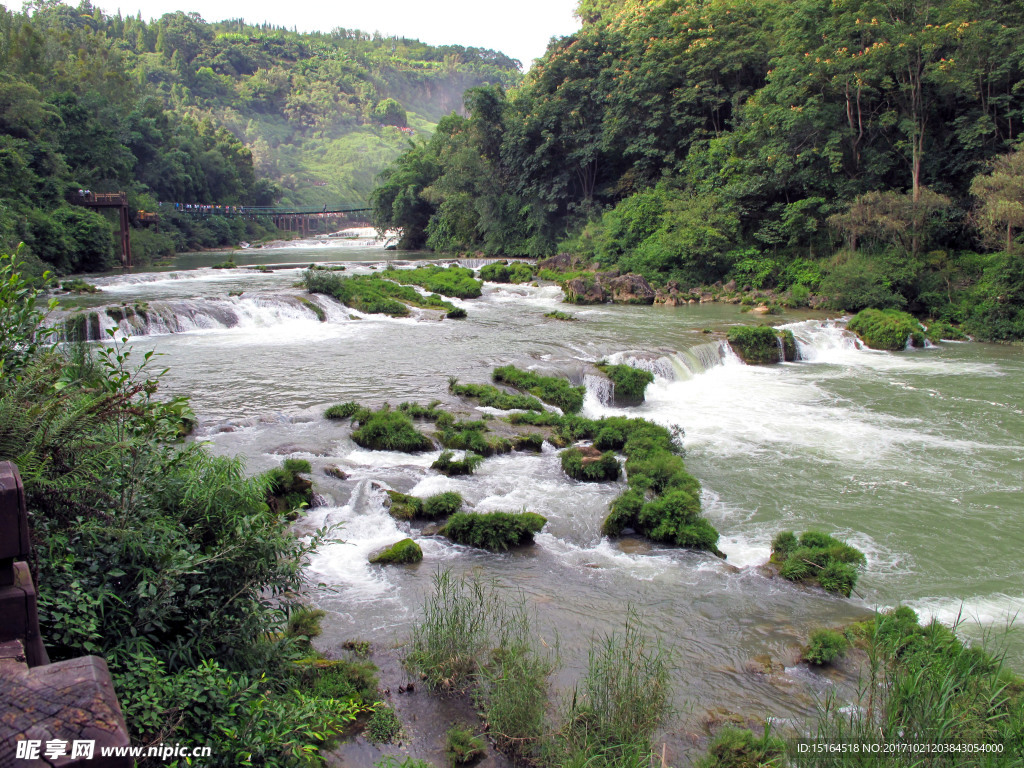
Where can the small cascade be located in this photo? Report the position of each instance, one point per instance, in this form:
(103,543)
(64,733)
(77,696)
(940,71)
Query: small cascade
(703,357)
(166,317)
(602,388)
(782,349)
(823,340)
(661,366)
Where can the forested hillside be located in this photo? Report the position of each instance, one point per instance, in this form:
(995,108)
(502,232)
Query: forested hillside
(180,110)
(843,151)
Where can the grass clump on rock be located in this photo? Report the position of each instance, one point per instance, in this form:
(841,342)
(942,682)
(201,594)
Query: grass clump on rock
(817,558)
(388,430)
(405,507)
(448,465)
(760,344)
(287,491)
(451,281)
(373,294)
(551,389)
(887,329)
(739,748)
(492,397)
(630,383)
(473,436)
(559,315)
(343,410)
(496,531)
(400,553)
(825,646)
(503,272)
(590,465)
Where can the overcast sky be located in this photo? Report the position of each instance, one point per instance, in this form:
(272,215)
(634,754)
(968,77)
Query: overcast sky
(521,29)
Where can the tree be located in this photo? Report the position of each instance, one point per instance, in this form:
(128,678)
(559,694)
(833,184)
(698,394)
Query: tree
(1000,194)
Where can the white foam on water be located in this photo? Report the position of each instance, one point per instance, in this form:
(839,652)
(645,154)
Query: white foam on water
(995,610)
(386,459)
(744,552)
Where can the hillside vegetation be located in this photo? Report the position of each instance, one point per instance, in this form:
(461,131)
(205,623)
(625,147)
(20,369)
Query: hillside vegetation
(858,153)
(178,110)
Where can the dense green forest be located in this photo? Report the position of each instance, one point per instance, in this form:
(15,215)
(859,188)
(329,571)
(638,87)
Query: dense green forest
(856,152)
(180,110)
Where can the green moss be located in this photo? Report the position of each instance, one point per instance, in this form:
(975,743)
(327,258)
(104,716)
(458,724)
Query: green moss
(446,465)
(316,309)
(585,466)
(825,646)
(404,507)
(373,294)
(497,531)
(557,315)
(757,345)
(630,383)
(887,329)
(492,397)
(531,441)
(817,558)
(550,389)
(400,553)
(387,430)
(451,281)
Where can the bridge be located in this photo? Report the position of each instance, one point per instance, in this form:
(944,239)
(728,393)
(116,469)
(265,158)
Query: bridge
(302,220)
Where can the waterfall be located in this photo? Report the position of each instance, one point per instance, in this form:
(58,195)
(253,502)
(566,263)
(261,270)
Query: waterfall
(181,316)
(782,348)
(823,339)
(602,388)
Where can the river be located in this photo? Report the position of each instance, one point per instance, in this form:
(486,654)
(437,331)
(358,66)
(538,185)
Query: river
(914,457)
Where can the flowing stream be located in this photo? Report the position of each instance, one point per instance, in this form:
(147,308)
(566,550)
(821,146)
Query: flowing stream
(914,457)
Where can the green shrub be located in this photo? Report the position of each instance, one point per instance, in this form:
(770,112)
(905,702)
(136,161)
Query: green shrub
(755,345)
(383,726)
(817,558)
(887,329)
(297,465)
(442,505)
(736,748)
(939,331)
(550,389)
(387,430)
(629,382)
(825,646)
(462,746)
(446,465)
(590,468)
(457,314)
(400,553)
(497,531)
(343,410)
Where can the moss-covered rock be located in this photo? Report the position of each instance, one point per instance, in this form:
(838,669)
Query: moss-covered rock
(404,507)
(590,464)
(448,465)
(497,531)
(387,430)
(887,329)
(551,389)
(818,559)
(630,383)
(762,344)
(400,553)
